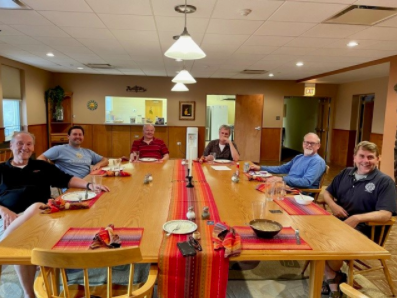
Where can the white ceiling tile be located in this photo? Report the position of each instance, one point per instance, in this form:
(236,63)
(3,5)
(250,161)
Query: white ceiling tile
(123,7)
(7,30)
(23,17)
(88,33)
(342,43)
(99,47)
(384,3)
(73,19)
(166,8)
(306,11)
(73,49)
(333,30)
(283,28)
(256,50)
(19,39)
(381,45)
(48,31)
(88,59)
(309,42)
(176,24)
(114,21)
(39,48)
(233,9)
(219,39)
(293,51)
(284,58)
(391,22)
(154,71)
(217,26)
(58,41)
(328,1)
(58,5)
(139,37)
(376,33)
(262,40)
(132,72)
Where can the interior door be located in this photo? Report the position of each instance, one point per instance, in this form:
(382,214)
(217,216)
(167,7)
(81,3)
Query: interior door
(248,126)
(322,128)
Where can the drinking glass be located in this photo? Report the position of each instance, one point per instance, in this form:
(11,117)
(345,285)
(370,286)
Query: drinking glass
(269,191)
(117,164)
(136,155)
(111,164)
(96,183)
(279,189)
(258,210)
(213,155)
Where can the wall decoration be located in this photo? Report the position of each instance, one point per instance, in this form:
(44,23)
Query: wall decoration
(136,89)
(92,105)
(187,110)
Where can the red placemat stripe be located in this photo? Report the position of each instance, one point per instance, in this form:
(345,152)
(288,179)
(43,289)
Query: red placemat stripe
(293,208)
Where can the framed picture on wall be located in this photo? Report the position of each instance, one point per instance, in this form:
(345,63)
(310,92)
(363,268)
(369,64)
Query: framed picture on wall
(187,110)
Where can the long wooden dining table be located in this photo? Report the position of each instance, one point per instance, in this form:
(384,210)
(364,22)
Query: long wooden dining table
(131,203)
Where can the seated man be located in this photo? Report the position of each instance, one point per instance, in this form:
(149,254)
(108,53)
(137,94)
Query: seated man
(358,195)
(223,148)
(73,159)
(25,186)
(304,170)
(149,146)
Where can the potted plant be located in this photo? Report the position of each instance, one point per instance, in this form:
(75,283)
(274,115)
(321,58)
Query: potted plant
(54,97)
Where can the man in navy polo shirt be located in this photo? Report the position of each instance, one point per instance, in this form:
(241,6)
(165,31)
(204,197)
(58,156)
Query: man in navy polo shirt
(358,195)
(148,146)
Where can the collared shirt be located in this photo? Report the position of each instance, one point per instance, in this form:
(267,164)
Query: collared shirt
(213,146)
(155,149)
(375,192)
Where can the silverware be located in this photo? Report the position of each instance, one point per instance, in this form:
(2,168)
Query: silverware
(86,194)
(297,237)
(80,198)
(174,229)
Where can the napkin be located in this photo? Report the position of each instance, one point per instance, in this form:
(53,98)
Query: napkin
(250,178)
(59,204)
(110,173)
(226,237)
(106,238)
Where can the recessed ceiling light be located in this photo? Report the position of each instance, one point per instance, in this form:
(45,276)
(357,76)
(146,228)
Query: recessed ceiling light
(50,55)
(80,68)
(271,75)
(299,64)
(352,44)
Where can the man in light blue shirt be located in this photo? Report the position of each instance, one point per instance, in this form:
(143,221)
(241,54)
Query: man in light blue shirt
(304,170)
(72,158)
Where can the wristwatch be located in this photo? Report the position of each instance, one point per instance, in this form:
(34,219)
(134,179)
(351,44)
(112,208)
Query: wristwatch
(88,185)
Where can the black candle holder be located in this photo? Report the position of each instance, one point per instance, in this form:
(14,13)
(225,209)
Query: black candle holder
(189,184)
(188,171)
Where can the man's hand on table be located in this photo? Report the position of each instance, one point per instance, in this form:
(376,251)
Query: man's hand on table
(255,167)
(338,211)
(96,167)
(8,216)
(352,221)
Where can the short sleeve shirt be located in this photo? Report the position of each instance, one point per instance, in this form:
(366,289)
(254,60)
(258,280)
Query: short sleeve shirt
(155,149)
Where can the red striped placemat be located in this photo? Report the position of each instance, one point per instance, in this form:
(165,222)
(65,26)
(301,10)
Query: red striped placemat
(81,238)
(285,240)
(293,208)
(206,274)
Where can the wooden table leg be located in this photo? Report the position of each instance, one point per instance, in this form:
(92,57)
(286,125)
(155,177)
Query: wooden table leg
(316,278)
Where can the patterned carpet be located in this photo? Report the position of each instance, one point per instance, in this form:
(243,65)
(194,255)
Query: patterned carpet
(273,279)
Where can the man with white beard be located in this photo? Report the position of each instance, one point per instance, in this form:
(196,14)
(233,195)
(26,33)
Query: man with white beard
(304,170)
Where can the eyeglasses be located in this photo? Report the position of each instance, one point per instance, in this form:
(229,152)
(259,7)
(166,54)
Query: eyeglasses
(309,143)
(193,242)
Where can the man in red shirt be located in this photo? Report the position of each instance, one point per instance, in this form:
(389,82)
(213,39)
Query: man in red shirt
(148,146)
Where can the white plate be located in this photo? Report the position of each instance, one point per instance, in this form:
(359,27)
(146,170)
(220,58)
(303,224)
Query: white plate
(263,174)
(303,200)
(110,168)
(148,159)
(222,161)
(74,196)
(186,226)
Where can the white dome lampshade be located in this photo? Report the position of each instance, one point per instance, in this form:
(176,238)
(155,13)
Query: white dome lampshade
(184,77)
(185,48)
(179,87)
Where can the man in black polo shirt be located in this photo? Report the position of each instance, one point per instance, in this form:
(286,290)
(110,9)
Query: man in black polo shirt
(358,195)
(24,187)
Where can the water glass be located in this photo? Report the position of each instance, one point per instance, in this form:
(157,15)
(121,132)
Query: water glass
(213,155)
(279,190)
(269,191)
(258,210)
(136,155)
(117,164)
(96,183)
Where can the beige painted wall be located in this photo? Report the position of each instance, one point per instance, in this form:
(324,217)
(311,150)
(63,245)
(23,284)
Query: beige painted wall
(96,87)
(343,106)
(34,83)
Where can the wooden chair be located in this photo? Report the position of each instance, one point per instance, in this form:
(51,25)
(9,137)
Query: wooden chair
(5,154)
(52,262)
(379,234)
(351,292)
(317,191)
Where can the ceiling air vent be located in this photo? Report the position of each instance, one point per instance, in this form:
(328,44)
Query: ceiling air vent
(254,71)
(362,15)
(99,66)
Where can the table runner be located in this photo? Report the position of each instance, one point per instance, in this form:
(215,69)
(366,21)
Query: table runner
(81,238)
(206,274)
(180,172)
(285,240)
(293,208)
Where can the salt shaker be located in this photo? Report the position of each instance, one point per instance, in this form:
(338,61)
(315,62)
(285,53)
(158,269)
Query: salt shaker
(190,215)
(205,214)
(235,178)
(246,167)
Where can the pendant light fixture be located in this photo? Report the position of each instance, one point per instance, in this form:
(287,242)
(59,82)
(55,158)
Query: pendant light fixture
(184,77)
(185,48)
(179,87)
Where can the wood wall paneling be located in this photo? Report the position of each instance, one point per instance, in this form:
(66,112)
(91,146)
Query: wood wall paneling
(102,139)
(88,135)
(162,133)
(201,140)
(350,148)
(41,137)
(2,136)
(271,144)
(377,138)
(177,134)
(339,146)
(121,141)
